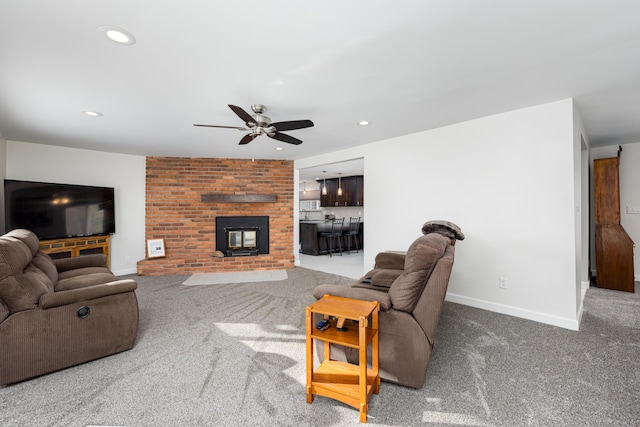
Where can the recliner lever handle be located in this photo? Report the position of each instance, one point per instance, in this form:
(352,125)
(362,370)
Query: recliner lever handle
(83,312)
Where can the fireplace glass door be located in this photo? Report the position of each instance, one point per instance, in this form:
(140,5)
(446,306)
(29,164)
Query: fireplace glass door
(240,239)
(235,240)
(249,239)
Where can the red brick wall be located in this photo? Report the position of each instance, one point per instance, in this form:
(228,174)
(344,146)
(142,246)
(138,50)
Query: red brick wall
(175,212)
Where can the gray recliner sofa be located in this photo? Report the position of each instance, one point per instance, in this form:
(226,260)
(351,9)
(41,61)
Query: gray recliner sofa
(411,289)
(59,313)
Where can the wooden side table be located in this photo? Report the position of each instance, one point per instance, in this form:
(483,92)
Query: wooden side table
(346,382)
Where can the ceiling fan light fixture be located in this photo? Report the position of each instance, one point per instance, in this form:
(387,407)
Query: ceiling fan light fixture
(118,35)
(259,124)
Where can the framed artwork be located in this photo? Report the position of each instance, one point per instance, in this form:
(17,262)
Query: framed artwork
(155,248)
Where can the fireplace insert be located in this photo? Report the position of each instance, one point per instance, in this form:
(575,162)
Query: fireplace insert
(242,241)
(242,235)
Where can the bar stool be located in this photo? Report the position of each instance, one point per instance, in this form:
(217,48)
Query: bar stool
(335,233)
(353,233)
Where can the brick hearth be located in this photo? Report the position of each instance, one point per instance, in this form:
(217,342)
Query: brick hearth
(176,213)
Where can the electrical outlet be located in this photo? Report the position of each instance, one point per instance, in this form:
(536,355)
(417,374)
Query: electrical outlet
(127,261)
(503,282)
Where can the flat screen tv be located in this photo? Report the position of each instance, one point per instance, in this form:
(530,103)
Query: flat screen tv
(55,211)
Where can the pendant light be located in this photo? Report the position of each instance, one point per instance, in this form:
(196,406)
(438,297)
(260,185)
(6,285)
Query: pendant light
(324,184)
(339,185)
(304,188)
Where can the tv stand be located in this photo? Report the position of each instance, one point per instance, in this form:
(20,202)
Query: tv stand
(71,247)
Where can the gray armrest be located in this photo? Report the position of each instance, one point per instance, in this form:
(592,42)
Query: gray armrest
(355,293)
(56,299)
(93,260)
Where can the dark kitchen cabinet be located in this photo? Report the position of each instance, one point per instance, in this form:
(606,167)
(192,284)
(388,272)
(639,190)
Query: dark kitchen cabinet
(352,192)
(331,198)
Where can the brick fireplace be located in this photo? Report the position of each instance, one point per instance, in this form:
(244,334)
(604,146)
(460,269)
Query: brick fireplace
(177,212)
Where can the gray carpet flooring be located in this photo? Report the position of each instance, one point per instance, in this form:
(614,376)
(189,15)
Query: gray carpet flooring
(233,354)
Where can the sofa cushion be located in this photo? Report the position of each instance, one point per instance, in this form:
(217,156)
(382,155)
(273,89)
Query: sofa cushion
(4,311)
(378,278)
(390,260)
(384,277)
(74,263)
(420,261)
(21,281)
(88,279)
(82,272)
(45,263)
(27,237)
(23,291)
(14,256)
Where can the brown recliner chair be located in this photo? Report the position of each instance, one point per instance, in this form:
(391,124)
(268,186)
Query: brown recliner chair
(411,289)
(59,313)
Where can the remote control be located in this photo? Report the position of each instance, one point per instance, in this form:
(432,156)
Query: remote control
(323,325)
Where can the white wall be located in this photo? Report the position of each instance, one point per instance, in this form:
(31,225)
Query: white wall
(629,193)
(509,182)
(126,173)
(3,174)
(582,208)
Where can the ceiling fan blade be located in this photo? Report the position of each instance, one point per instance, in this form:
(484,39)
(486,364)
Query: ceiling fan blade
(247,139)
(242,114)
(292,125)
(285,138)
(225,127)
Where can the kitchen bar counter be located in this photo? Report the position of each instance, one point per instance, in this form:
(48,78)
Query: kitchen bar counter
(313,243)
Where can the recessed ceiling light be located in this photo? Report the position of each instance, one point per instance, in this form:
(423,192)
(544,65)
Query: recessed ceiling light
(117,34)
(363,123)
(279,148)
(93,113)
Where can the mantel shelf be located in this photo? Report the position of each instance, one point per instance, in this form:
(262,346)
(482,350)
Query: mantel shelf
(239,198)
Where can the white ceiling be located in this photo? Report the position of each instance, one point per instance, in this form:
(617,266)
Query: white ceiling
(406,66)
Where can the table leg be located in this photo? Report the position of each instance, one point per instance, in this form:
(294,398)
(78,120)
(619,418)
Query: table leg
(362,336)
(309,319)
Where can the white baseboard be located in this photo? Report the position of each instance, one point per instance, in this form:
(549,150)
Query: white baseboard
(583,292)
(536,316)
(126,271)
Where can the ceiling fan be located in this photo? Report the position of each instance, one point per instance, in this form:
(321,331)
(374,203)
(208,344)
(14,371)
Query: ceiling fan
(258,124)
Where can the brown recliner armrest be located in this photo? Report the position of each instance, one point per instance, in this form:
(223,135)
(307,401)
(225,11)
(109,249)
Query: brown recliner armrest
(378,279)
(93,260)
(390,261)
(56,299)
(354,293)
